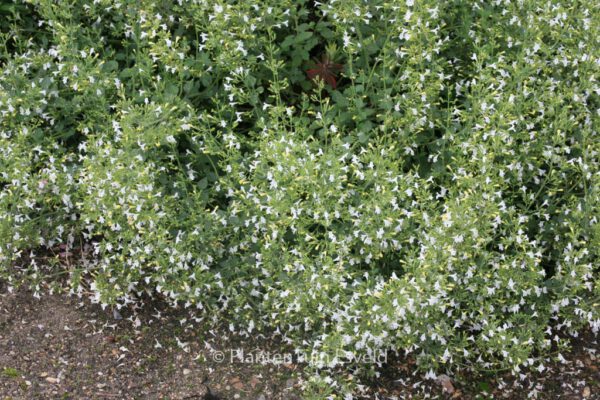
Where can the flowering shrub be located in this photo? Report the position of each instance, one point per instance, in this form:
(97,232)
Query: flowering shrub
(429,187)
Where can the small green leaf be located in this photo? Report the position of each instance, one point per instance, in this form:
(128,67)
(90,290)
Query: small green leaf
(303,36)
(110,66)
(203,183)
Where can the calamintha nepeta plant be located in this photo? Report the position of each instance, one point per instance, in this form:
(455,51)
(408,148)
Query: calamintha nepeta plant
(442,202)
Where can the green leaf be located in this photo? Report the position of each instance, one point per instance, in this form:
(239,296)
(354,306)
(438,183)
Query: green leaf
(303,36)
(339,98)
(363,137)
(127,73)
(288,41)
(203,183)
(110,66)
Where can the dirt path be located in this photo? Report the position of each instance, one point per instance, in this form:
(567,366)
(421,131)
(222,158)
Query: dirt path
(57,348)
(61,348)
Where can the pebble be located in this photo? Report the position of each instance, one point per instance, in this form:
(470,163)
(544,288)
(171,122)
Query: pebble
(186,371)
(290,383)
(50,379)
(587,392)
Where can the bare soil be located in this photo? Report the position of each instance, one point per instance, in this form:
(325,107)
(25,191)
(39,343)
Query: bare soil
(60,347)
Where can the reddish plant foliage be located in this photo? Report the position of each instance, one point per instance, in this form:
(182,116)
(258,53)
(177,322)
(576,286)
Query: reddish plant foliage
(326,70)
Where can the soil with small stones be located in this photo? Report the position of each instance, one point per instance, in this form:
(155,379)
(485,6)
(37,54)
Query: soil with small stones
(60,347)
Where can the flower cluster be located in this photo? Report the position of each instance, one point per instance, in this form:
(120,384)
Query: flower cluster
(434,194)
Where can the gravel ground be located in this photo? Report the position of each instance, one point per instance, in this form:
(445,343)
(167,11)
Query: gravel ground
(59,347)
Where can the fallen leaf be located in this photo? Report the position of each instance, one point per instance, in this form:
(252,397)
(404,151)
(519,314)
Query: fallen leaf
(446,383)
(254,381)
(236,383)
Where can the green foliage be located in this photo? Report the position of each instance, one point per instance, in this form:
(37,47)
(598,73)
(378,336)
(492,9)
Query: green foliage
(9,372)
(441,201)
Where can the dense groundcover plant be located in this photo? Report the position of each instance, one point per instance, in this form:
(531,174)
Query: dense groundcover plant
(413,176)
